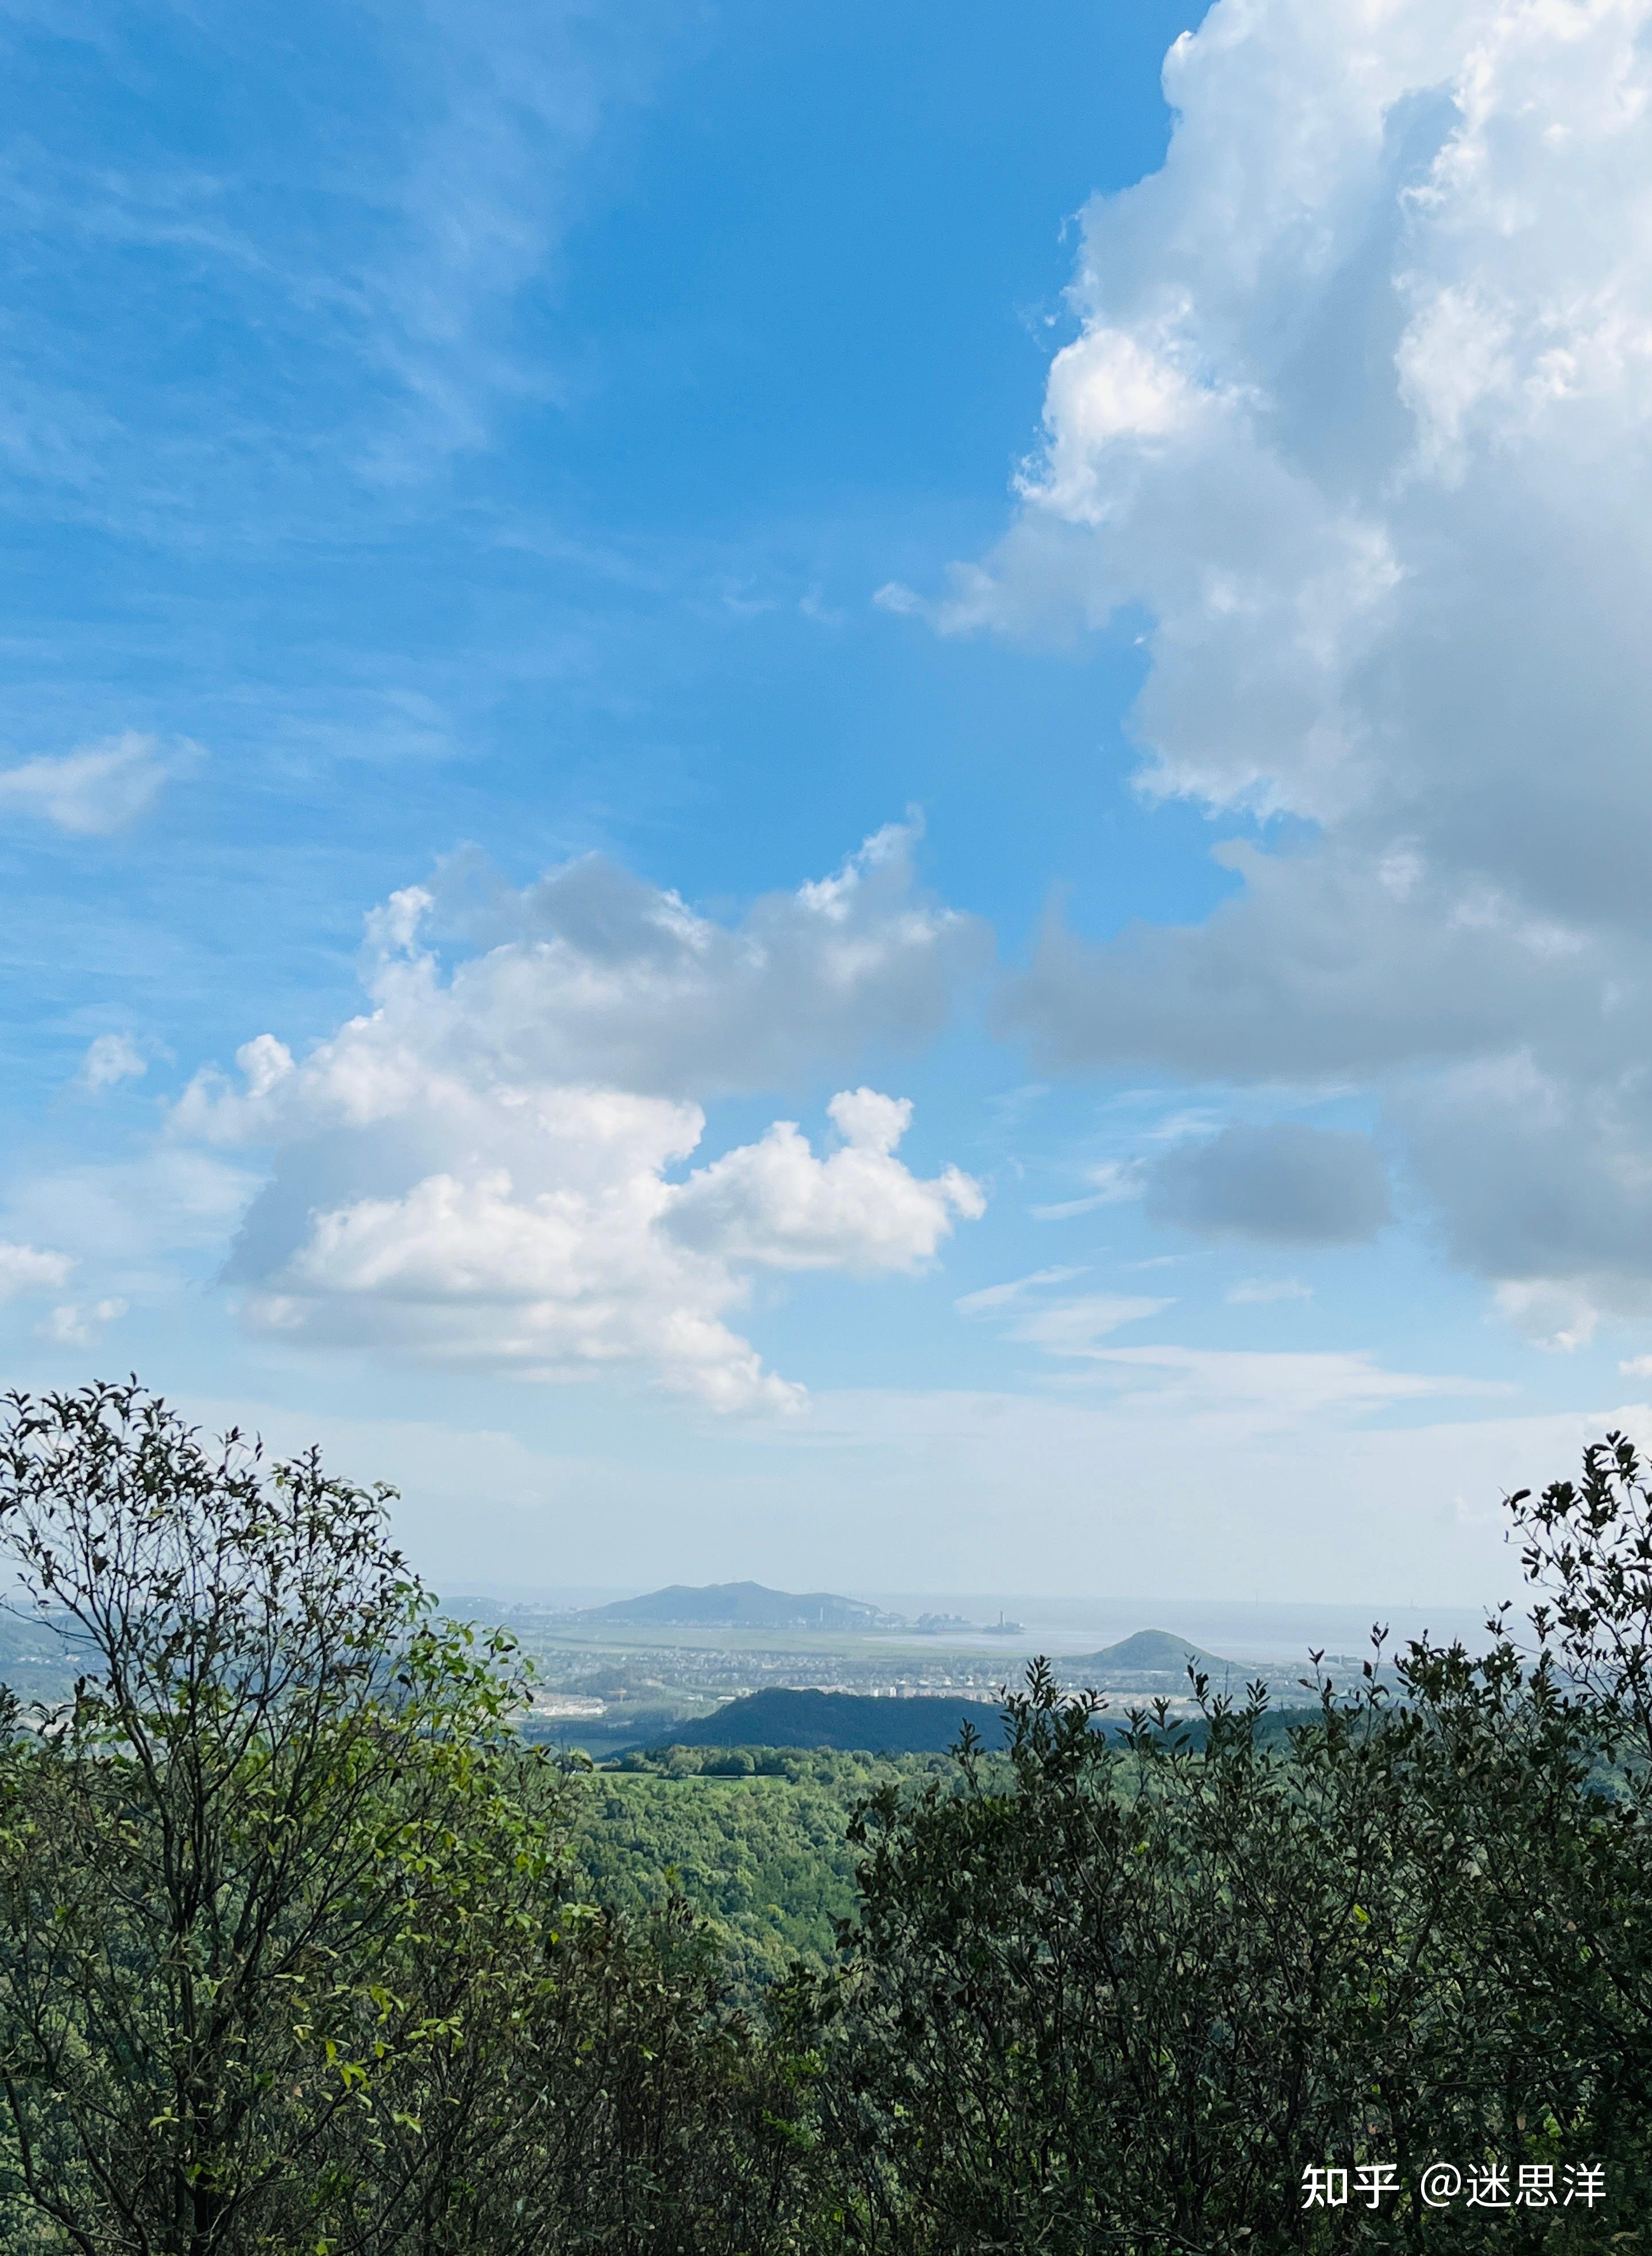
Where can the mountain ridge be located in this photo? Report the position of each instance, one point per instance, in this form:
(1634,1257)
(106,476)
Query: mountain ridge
(742,1605)
(848,1722)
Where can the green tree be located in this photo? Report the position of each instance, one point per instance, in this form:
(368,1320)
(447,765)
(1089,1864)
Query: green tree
(1119,1990)
(626,2109)
(295,1953)
(242,1871)
(292,1955)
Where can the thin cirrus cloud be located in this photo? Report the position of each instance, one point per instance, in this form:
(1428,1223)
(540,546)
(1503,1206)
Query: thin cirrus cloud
(1115,1180)
(1269,1391)
(1264,1292)
(516,96)
(992,1297)
(99,788)
(1069,1325)
(416,180)
(1078,1327)
(1360,419)
(481,1170)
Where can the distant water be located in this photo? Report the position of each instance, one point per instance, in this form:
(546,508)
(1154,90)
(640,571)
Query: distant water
(1240,1630)
(1260,1629)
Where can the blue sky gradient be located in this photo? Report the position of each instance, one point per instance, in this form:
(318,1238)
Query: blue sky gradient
(440,444)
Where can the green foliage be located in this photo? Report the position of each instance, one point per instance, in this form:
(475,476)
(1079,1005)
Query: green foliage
(277,1786)
(609,2101)
(302,1949)
(760,1851)
(926,1724)
(289,1952)
(1123,1998)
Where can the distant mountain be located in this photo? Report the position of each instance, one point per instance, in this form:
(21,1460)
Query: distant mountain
(743,1605)
(1150,1652)
(850,1722)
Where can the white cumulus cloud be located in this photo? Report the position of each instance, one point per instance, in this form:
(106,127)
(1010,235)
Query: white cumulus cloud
(483,1166)
(31,1269)
(774,1202)
(592,976)
(1359,419)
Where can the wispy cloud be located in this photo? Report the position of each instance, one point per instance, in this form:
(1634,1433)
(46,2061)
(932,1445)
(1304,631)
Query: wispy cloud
(515,96)
(1010,1107)
(112,1059)
(98,788)
(394,248)
(1002,1296)
(1076,1327)
(1273,1391)
(1258,1291)
(1115,1180)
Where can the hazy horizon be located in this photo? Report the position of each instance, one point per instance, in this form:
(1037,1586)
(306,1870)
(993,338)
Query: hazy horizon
(1260,1629)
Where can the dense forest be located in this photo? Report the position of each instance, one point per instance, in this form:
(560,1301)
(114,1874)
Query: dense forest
(760,1855)
(304,1949)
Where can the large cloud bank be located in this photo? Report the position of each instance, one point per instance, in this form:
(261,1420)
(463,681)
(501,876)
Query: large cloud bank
(479,1169)
(1360,418)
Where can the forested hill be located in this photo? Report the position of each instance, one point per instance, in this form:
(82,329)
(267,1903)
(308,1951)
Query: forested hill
(1149,1653)
(742,1605)
(851,1722)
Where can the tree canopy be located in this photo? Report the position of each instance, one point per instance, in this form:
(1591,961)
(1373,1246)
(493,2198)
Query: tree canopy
(304,1949)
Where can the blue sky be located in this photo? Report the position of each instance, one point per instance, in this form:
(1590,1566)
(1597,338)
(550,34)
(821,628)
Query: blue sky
(503,505)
